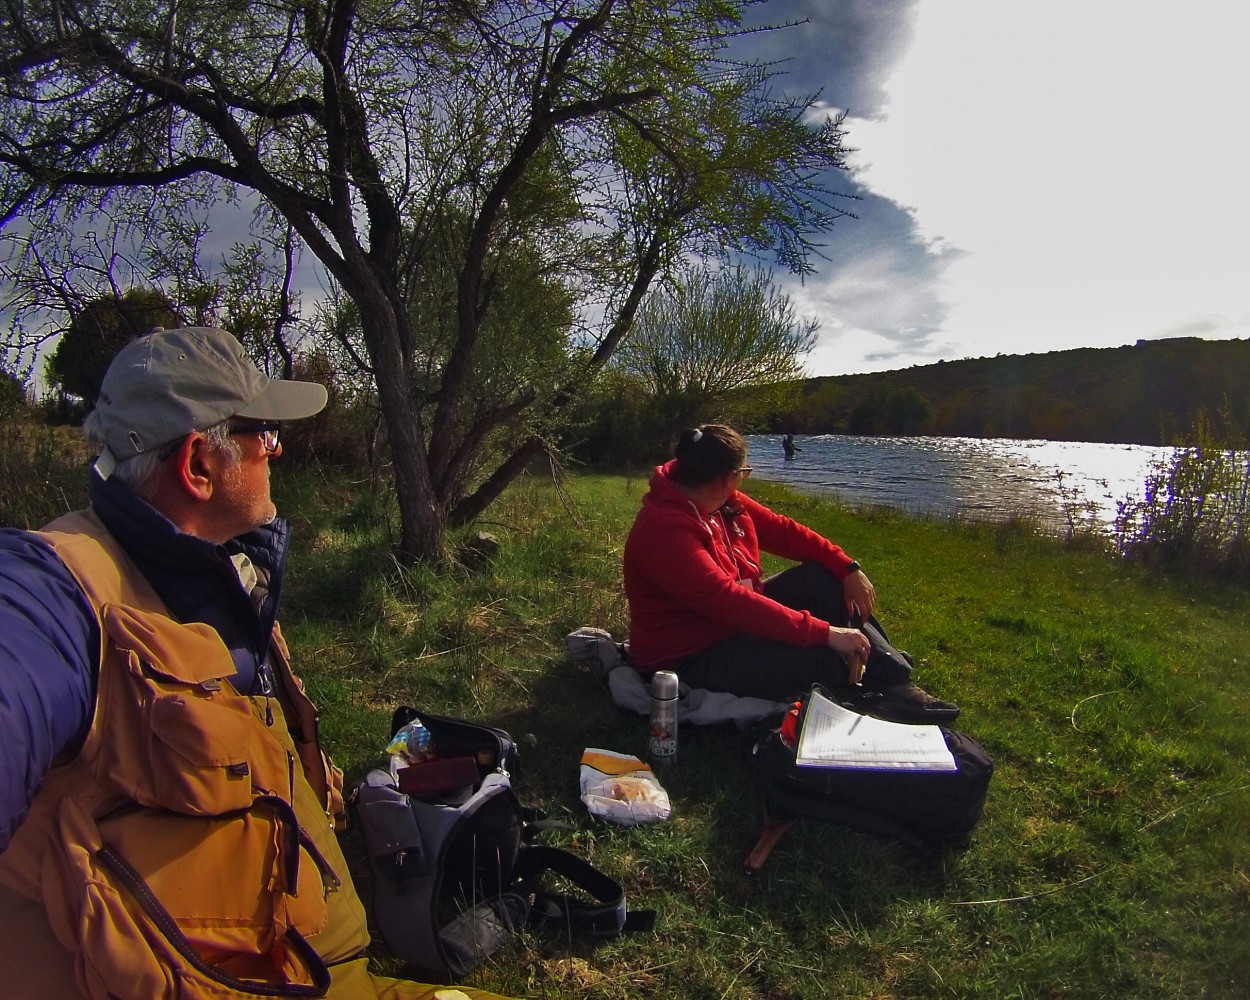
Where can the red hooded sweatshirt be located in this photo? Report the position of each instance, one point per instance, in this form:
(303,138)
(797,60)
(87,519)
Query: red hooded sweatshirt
(693,578)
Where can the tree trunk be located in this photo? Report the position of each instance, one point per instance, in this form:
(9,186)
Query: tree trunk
(486,494)
(421,517)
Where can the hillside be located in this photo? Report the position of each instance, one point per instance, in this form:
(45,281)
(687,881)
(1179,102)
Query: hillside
(1147,393)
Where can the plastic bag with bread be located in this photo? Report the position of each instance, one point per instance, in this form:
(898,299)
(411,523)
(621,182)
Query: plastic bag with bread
(622,788)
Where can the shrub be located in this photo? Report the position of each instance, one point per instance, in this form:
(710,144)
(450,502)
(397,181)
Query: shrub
(41,471)
(1194,511)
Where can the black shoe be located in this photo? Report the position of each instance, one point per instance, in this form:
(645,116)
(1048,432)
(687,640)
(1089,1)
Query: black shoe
(907,702)
(858,699)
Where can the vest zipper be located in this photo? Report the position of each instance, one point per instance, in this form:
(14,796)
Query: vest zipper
(168,927)
(330,882)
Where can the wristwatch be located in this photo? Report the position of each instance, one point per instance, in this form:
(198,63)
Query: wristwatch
(852,567)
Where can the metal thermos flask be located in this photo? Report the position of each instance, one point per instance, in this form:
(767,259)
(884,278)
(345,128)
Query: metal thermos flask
(662,735)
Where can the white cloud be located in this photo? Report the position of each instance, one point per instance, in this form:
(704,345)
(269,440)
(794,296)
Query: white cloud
(1210,327)
(1085,158)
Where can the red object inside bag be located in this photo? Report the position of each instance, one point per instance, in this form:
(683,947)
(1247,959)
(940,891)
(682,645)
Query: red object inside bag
(438,776)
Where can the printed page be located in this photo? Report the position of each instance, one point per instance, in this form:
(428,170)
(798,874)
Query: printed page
(833,736)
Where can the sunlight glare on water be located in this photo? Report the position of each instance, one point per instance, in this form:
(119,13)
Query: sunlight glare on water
(983,478)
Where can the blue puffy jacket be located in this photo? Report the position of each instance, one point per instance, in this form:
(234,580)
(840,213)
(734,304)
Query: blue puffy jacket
(49,637)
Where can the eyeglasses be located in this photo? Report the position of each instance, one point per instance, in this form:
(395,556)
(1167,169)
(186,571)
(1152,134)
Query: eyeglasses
(745,471)
(268,431)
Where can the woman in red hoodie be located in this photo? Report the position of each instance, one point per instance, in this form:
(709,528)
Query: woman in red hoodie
(698,605)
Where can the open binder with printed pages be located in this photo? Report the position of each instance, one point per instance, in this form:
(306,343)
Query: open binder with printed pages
(832,736)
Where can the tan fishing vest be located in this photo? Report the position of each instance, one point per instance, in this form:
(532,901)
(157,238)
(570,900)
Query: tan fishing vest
(187,850)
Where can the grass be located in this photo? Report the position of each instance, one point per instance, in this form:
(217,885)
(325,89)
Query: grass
(1111,861)
(41,471)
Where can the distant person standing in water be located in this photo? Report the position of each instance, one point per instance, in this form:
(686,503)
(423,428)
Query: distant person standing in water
(788,446)
(698,603)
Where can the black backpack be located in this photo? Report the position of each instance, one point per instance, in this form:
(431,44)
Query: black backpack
(929,811)
(454,871)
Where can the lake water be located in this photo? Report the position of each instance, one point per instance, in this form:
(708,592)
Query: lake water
(982,478)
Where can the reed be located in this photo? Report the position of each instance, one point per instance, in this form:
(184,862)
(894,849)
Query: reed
(1194,512)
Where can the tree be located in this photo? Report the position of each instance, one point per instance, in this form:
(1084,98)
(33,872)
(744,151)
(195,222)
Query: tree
(258,305)
(98,332)
(610,138)
(717,344)
(12,395)
(522,351)
(891,410)
(905,411)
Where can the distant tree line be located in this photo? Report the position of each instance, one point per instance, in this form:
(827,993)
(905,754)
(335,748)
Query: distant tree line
(1153,392)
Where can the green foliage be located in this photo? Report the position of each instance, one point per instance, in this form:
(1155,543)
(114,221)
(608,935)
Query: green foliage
(1110,858)
(254,302)
(711,334)
(520,353)
(345,434)
(613,427)
(1150,393)
(99,331)
(12,395)
(899,410)
(580,149)
(722,345)
(520,360)
(1195,510)
(824,403)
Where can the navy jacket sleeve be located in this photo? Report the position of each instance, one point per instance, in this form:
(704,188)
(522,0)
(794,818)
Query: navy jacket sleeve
(49,644)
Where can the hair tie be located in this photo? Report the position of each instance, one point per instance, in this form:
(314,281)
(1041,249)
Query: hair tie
(698,433)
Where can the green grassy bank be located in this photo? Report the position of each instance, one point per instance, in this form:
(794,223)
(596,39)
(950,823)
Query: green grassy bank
(1112,860)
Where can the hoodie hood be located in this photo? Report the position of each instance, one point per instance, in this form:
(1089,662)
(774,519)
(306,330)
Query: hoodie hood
(664,489)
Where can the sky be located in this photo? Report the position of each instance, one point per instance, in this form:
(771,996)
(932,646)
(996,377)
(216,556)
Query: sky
(1032,176)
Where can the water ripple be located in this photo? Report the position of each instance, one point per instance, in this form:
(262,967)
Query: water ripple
(990,478)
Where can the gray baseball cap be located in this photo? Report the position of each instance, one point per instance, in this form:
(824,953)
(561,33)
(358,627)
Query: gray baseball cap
(170,383)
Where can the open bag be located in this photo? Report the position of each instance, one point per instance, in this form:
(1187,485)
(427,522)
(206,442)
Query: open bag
(930,811)
(455,873)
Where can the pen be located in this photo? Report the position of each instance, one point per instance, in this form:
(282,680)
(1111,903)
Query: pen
(856,661)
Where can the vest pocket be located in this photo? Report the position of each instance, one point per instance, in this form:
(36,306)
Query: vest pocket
(200,752)
(222,907)
(184,740)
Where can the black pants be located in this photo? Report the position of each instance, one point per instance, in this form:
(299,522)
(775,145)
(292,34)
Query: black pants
(764,668)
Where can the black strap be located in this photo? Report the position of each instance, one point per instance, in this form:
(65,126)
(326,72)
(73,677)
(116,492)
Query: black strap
(608,917)
(535,822)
